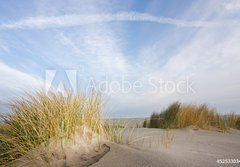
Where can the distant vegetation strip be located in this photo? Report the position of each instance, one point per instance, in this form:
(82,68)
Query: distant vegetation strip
(178,115)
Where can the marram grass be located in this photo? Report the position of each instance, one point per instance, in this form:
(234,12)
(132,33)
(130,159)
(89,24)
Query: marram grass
(38,118)
(201,116)
(179,116)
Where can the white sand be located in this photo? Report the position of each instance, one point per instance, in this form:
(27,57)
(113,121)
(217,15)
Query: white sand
(186,147)
(149,148)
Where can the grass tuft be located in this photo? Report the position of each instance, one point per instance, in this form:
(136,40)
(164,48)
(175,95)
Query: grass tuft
(180,116)
(38,118)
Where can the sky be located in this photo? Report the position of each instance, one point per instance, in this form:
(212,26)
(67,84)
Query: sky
(152,47)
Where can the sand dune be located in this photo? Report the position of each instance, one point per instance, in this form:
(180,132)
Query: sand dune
(145,147)
(187,148)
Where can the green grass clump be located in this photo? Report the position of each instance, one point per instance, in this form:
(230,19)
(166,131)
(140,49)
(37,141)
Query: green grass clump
(167,117)
(155,120)
(238,123)
(145,123)
(36,119)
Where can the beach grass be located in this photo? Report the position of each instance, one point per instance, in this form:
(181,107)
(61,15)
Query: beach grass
(38,118)
(178,115)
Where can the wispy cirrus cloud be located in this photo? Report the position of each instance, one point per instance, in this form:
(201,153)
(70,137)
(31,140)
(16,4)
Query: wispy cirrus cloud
(79,36)
(15,81)
(77,20)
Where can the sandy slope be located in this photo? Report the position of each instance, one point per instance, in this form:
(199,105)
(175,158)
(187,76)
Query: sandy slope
(187,148)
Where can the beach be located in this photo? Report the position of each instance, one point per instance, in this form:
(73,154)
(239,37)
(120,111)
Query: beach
(189,148)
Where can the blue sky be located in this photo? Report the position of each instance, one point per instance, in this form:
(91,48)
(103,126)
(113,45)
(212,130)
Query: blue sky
(169,40)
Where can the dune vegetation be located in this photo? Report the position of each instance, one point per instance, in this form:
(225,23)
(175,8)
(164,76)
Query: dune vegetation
(39,118)
(178,115)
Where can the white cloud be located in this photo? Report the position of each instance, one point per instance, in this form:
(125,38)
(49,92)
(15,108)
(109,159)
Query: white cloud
(14,81)
(210,56)
(232,6)
(77,20)
(3,47)
(96,50)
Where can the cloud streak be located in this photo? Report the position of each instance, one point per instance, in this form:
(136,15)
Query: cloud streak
(78,20)
(15,81)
